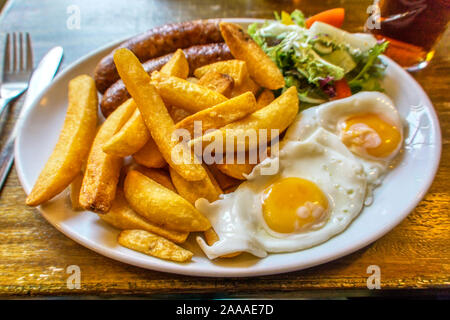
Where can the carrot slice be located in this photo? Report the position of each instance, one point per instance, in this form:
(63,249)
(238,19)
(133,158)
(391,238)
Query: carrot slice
(342,89)
(334,17)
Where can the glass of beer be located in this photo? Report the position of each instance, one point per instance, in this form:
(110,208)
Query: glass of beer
(413,28)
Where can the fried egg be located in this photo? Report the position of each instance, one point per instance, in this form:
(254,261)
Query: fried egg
(330,160)
(367,123)
(318,189)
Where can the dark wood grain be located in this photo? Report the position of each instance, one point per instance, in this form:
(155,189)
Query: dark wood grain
(34,255)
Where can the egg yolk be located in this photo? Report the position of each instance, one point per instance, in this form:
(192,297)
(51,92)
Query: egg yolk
(293,204)
(368,133)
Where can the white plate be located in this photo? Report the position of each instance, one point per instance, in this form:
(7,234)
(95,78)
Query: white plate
(401,191)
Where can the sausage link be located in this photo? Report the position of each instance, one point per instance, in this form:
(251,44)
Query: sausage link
(197,56)
(157,42)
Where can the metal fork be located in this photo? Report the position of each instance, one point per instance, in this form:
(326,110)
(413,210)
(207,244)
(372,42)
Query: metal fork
(18,65)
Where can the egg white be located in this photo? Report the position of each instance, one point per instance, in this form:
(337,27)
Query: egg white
(323,159)
(330,115)
(311,149)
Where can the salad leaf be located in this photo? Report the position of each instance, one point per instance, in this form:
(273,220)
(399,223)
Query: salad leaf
(307,57)
(253,32)
(313,67)
(298,18)
(371,70)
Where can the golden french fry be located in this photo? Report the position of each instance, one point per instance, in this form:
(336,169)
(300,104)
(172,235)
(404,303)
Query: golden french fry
(260,67)
(225,181)
(219,82)
(207,188)
(155,115)
(247,85)
(122,217)
(159,175)
(131,137)
(236,170)
(277,115)
(178,114)
(75,188)
(184,94)
(265,98)
(149,156)
(102,170)
(221,114)
(134,134)
(192,79)
(73,144)
(177,66)
(211,237)
(162,206)
(153,245)
(237,69)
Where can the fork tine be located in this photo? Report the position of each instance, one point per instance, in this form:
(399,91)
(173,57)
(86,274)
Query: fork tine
(7,59)
(14,52)
(21,48)
(29,50)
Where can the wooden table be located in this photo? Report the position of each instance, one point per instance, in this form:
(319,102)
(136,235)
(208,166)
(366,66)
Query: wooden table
(34,255)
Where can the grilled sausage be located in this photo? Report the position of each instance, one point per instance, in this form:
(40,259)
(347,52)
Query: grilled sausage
(157,42)
(197,56)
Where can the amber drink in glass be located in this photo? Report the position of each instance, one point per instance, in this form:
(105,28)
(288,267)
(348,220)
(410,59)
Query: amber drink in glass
(413,27)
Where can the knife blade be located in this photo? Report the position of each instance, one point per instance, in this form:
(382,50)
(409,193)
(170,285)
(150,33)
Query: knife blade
(40,79)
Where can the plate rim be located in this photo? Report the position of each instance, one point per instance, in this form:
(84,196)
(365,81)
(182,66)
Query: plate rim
(231,272)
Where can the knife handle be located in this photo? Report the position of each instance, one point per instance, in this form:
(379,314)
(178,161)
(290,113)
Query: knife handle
(6,159)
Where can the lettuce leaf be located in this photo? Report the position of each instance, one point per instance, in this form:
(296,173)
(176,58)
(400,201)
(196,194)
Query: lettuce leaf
(370,70)
(305,60)
(298,18)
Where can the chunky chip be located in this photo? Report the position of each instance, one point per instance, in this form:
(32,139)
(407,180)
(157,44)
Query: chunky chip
(265,98)
(134,134)
(159,175)
(162,206)
(131,137)
(237,69)
(150,156)
(73,144)
(100,180)
(153,245)
(219,82)
(236,170)
(220,115)
(184,94)
(248,85)
(225,181)
(277,115)
(75,188)
(207,188)
(260,67)
(233,168)
(177,66)
(122,217)
(155,115)
(178,114)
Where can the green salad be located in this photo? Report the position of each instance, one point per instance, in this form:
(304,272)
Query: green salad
(315,60)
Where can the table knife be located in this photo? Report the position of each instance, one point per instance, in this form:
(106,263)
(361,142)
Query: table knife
(40,79)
